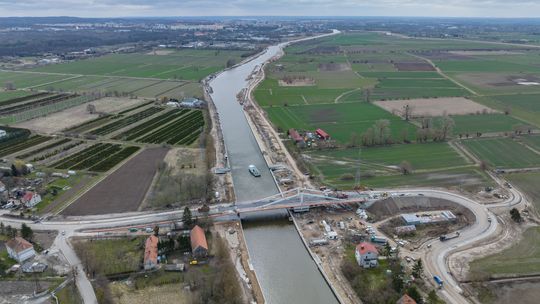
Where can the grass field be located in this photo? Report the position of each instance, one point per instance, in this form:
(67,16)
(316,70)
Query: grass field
(112,256)
(527,182)
(503,153)
(520,259)
(181,64)
(434,164)
(339,120)
(484,123)
(532,141)
(28,80)
(6,95)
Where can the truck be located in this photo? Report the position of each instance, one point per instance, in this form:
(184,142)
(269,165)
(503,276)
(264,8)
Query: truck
(438,281)
(447,237)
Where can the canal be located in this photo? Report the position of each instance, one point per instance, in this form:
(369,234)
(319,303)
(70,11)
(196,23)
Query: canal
(285,270)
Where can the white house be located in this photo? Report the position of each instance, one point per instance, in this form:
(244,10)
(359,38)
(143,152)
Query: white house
(3,133)
(20,249)
(30,199)
(366,255)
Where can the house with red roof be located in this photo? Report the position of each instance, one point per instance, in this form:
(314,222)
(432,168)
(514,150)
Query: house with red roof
(406,299)
(151,252)
(366,255)
(322,134)
(20,249)
(199,246)
(30,199)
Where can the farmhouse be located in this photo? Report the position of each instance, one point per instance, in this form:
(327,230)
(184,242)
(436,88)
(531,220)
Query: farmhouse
(321,134)
(20,249)
(293,134)
(151,252)
(366,255)
(199,246)
(30,199)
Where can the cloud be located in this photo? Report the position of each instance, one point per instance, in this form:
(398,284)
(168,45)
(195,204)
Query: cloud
(112,8)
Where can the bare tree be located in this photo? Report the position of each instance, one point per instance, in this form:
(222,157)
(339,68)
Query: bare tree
(405,167)
(447,125)
(91,108)
(382,130)
(407,112)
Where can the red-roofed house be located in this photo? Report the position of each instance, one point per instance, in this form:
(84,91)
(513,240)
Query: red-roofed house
(151,252)
(295,136)
(30,199)
(406,300)
(322,134)
(20,249)
(366,255)
(199,246)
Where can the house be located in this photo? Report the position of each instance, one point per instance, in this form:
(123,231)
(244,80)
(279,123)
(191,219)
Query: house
(192,103)
(199,246)
(151,252)
(30,199)
(321,134)
(295,136)
(366,255)
(20,249)
(406,299)
(3,133)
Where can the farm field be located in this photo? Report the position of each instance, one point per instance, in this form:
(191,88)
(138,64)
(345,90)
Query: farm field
(23,80)
(433,164)
(339,120)
(76,115)
(434,106)
(99,157)
(126,121)
(523,106)
(7,95)
(185,64)
(502,153)
(20,144)
(124,189)
(531,141)
(483,123)
(528,183)
(521,259)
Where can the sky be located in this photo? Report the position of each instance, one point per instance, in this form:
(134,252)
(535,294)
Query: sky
(154,8)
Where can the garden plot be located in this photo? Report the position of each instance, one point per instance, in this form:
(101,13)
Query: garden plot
(435,106)
(76,115)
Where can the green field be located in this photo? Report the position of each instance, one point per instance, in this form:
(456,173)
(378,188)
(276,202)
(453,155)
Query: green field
(520,259)
(532,141)
(503,153)
(484,123)
(527,182)
(27,80)
(6,95)
(179,64)
(339,120)
(433,164)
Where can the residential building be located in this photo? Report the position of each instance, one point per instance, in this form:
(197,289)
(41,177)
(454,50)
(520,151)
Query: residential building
(20,249)
(199,246)
(3,133)
(151,252)
(406,299)
(30,199)
(366,255)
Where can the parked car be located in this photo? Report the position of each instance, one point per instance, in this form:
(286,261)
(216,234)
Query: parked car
(254,171)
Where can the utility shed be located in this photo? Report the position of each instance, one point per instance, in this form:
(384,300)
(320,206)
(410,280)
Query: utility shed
(322,134)
(199,246)
(295,136)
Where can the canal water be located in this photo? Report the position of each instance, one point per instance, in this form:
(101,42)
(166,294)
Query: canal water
(285,270)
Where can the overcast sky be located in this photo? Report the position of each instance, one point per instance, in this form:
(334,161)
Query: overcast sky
(121,8)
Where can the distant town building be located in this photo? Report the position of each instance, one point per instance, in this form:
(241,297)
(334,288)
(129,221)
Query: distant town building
(199,246)
(20,249)
(151,252)
(30,199)
(366,255)
(406,299)
(407,229)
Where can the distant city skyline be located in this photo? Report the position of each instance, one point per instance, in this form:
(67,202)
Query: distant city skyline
(157,8)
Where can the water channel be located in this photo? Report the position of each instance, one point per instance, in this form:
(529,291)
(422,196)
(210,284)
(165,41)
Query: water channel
(286,272)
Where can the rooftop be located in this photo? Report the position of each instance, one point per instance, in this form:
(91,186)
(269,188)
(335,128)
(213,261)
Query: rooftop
(198,239)
(18,244)
(364,248)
